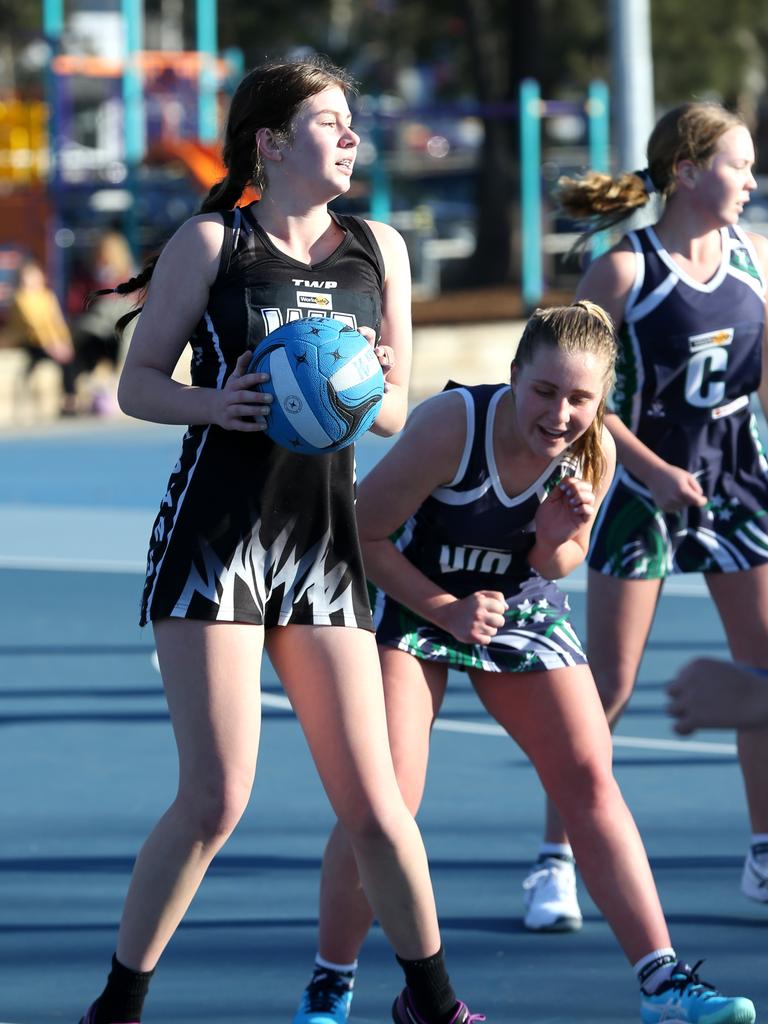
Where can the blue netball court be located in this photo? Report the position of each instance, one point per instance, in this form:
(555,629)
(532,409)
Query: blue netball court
(87,763)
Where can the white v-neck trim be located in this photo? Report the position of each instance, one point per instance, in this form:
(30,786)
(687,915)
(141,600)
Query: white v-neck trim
(715,281)
(493,472)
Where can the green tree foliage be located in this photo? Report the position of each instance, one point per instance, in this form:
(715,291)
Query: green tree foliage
(708,49)
(20,18)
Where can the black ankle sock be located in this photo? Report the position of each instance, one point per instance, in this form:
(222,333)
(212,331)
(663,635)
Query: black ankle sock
(430,987)
(123,997)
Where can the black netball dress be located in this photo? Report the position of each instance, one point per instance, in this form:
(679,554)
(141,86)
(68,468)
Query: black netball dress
(470,535)
(248,531)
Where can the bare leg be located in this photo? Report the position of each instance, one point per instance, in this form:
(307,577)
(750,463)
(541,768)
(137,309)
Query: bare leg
(413,693)
(742,600)
(708,693)
(619,617)
(557,719)
(332,677)
(211,677)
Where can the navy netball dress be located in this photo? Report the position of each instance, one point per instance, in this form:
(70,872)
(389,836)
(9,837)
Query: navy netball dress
(690,356)
(470,535)
(248,531)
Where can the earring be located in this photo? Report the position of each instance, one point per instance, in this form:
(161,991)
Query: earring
(258,171)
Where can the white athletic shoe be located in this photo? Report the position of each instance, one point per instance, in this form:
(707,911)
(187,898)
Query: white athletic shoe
(754,878)
(550,896)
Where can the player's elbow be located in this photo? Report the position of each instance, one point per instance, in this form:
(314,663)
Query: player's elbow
(130,389)
(125,394)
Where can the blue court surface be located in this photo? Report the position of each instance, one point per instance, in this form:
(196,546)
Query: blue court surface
(87,763)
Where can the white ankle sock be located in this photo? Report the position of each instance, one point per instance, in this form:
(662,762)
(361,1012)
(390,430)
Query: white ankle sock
(655,968)
(339,968)
(759,846)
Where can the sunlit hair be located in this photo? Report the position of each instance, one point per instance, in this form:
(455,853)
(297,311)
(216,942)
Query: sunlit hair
(269,96)
(579,328)
(688,132)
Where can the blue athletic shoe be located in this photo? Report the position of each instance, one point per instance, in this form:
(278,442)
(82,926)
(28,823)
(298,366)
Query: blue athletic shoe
(686,999)
(326,999)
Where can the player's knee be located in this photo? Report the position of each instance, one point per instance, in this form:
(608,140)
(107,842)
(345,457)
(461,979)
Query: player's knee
(615,683)
(368,823)
(586,788)
(214,809)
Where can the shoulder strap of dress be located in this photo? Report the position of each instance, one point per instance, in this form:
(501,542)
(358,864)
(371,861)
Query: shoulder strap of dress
(740,238)
(473,467)
(642,244)
(233,220)
(637,237)
(362,232)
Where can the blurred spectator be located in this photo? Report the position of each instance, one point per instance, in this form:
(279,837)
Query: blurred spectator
(36,324)
(93,319)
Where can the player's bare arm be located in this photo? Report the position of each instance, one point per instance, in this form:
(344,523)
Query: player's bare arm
(175,301)
(395,341)
(425,457)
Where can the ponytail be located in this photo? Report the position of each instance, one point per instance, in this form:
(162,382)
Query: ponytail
(602,200)
(688,132)
(242,162)
(589,449)
(222,196)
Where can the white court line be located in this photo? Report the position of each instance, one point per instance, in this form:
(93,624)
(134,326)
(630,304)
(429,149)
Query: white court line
(674,586)
(74,538)
(694,588)
(49,564)
(276,700)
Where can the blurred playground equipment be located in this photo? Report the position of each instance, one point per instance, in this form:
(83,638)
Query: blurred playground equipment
(127,137)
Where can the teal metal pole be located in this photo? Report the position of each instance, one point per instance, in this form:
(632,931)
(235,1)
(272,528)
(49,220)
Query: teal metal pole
(53,19)
(235,61)
(133,28)
(530,191)
(381,202)
(598,110)
(207,47)
(597,121)
(133,111)
(53,27)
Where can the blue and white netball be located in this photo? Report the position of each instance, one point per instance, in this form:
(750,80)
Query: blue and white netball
(326,382)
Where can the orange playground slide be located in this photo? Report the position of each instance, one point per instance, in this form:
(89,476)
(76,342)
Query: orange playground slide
(200,159)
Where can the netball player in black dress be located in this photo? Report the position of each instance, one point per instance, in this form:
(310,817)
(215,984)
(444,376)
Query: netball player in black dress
(255,547)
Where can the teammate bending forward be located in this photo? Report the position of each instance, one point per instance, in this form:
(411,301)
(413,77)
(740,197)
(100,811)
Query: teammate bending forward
(488,497)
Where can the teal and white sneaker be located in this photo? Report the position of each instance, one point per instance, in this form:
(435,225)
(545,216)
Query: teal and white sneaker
(686,999)
(754,878)
(326,999)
